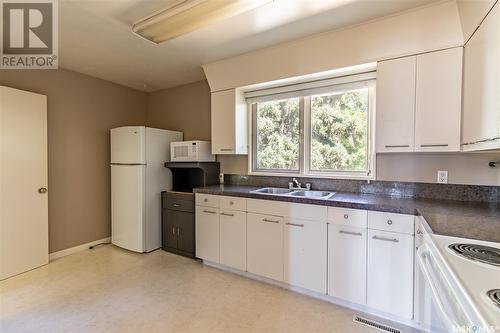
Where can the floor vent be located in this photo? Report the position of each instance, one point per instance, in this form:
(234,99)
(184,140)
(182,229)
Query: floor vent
(375,325)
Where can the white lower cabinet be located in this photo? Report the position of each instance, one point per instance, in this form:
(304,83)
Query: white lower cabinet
(390,272)
(207,233)
(233,241)
(347,263)
(362,257)
(305,250)
(265,245)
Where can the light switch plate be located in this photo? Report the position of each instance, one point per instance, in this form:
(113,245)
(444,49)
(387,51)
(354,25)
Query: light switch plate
(442,177)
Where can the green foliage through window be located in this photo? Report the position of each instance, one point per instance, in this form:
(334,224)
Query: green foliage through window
(278,135)
(337,133)
(339,137)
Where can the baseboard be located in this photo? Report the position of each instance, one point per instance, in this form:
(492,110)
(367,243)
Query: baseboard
(75,249)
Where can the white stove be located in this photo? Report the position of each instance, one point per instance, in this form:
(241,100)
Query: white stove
(458,282)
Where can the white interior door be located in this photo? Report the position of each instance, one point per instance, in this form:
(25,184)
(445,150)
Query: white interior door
(127,206)
(23,182)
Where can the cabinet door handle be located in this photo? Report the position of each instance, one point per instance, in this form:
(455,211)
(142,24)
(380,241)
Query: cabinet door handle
(295,224)
(435,145)
(209,211)
(350,233)
(346,216)
(205,200)
(271,221)
(389,222)
(176,205)
(397,146)
(226,149)
(173,230)
(395,240)
(227,214)
(179,231)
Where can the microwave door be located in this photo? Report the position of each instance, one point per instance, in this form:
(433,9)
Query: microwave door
(180,152)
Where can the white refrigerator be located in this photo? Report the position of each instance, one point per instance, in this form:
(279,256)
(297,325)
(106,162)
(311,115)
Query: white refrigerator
(137,179)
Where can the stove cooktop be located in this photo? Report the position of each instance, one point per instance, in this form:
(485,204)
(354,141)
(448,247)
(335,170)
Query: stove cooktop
(485,254)
(494,296)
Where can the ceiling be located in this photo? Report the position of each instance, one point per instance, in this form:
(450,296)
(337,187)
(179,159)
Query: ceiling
(95,36)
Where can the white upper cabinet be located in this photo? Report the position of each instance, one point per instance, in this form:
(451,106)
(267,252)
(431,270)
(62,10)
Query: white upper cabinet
(481,110)
(396,105)
(438,100)
(229,123)
(419,102)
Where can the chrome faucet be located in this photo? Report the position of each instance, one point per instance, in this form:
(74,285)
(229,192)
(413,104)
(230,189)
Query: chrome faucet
(296,185)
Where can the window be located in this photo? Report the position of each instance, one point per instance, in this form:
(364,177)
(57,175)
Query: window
(325,132)
(339,131)
(277,134)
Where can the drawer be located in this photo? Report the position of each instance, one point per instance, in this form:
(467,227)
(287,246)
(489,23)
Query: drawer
(207,200)
(347,216)
(233,203)
(287,209)
(178,204)
(392,222)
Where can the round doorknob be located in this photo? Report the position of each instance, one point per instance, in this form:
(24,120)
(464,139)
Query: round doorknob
(42,190)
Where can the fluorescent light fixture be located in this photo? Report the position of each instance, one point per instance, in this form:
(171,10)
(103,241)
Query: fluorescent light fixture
(185,16)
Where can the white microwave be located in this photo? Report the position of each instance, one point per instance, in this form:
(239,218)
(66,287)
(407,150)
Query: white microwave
(191,151)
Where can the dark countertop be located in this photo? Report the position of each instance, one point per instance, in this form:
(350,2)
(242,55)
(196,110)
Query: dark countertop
(449,218)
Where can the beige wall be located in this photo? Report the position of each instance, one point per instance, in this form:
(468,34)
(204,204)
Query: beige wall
(185,108)
(81,110)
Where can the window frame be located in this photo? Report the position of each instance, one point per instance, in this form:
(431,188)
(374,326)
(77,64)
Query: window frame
(305,140)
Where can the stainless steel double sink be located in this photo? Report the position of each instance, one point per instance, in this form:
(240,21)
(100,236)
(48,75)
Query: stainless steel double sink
(294,193)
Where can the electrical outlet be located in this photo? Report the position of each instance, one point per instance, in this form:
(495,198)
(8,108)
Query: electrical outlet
(221,178)
(442,177)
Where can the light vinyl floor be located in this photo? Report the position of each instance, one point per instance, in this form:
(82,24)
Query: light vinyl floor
(112,290)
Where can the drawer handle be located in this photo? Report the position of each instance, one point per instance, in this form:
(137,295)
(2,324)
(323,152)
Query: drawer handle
(419,232)
(173,230)
(389,222)
(435,145)
(231,203)
(295,224)
(176,205)
(226,149)
(205,200)
(226,214)
(395,240)
(350,233)
(346,216)
(397,146)
(271,221)
(209,211)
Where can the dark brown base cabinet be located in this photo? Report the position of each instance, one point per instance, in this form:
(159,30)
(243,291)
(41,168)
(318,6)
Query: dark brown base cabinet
(178,223)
